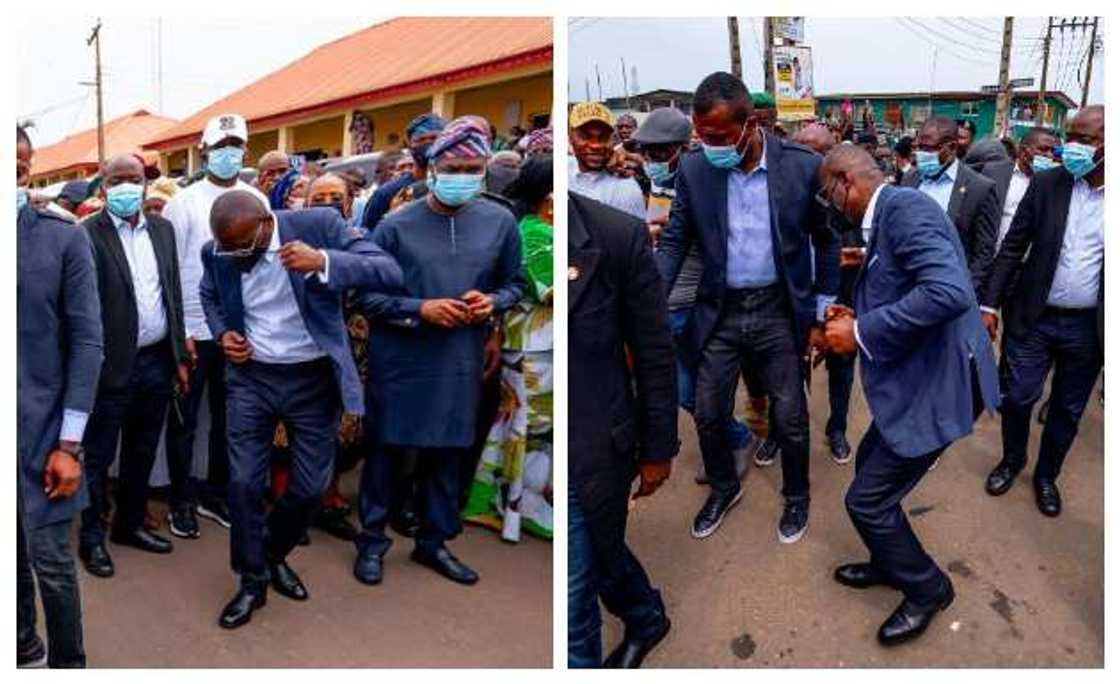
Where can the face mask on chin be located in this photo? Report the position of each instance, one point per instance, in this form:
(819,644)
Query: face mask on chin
(725,156)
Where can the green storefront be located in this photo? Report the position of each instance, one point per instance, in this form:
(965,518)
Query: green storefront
(898,114)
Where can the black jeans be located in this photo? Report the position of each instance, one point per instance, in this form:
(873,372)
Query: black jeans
(1067,340)
(135,413)
(754,331)
(874,503)
(208,374)
(259,395)
(437,496)
(841,375)
(44,554)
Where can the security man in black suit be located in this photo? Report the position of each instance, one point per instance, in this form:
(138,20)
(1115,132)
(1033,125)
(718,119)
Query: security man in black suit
(622,425)
(145,351)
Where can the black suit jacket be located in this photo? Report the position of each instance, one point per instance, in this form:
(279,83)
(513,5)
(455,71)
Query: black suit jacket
(1000,172)
(1039,227)
(118,299)
(975,209)
(621,411)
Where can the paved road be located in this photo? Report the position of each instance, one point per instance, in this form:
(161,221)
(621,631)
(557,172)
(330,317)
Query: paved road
(161,611)
(1029,588)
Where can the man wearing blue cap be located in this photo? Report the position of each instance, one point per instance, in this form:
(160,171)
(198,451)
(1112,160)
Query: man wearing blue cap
(422,132)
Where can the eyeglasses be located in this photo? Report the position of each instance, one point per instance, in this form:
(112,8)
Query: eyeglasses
(241,252)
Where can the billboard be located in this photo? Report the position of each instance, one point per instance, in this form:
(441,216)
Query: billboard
(793,82)
(789,28)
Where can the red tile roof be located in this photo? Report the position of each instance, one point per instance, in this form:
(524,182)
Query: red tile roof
(377,63)
(124,134)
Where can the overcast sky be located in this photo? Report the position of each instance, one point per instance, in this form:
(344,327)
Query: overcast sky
(849,55)
(204,59)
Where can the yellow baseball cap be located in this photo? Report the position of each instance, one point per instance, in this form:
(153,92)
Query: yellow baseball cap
(586,112)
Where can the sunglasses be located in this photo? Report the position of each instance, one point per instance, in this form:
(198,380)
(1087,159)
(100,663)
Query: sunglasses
(243,251)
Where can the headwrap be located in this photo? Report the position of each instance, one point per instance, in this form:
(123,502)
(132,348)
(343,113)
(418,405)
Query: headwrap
(467,137)
(278,195)
(539,141)
(425,123)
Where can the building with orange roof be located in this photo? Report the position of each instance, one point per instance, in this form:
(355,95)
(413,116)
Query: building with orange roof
(75,156)
(384,75)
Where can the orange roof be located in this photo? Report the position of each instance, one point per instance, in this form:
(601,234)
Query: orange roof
(124,134)
(383,61)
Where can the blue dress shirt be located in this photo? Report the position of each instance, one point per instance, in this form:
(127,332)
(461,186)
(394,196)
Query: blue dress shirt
(750,248)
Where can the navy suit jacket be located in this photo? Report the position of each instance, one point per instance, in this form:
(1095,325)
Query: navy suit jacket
(919,327)
(699,213)
(355,264)
(58,353)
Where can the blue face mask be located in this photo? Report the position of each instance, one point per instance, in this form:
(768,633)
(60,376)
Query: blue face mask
(124,199)
(1078,158)
(928,163)
(22,197)
(225,162)
(659,173)
(1040,163)
(455,189)
(724,156)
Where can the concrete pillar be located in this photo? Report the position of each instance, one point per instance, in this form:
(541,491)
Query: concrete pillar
(347,139)
(163,163)
(194,160)
(284,139)
(443,103)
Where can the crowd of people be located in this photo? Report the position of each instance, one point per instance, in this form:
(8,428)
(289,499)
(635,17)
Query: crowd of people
(401,323)
(729,244)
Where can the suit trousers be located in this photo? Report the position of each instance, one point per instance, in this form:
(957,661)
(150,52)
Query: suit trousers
(132,416)
(207,375)
(754,331)
(306,398)
(437,496)
(841,376)
(874,503)
(43,554)
(1065,339)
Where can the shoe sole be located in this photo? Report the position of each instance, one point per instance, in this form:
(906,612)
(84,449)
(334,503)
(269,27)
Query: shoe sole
(712,530)
(842,460)
(180,533)
(211,515)
(368,583)
(795,538)
(761,463)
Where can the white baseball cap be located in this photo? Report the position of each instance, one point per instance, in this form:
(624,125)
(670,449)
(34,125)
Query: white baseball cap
(225,126)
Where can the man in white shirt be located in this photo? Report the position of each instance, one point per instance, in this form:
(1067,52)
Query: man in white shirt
(223,143)
(591,126)
(1036,154)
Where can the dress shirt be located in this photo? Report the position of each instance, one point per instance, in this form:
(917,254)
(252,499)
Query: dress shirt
(73,425)
(189,215)
(941,188)
(1015,191)
(621,193)
(865,226)
(1077,277)
(274,325)
(151,319)
(750,246)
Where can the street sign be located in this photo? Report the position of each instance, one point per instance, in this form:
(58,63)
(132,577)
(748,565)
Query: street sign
(1021,82)
(989,89)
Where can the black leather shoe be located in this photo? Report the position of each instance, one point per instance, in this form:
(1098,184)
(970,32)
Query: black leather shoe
(1048,498)
(333,521)
(909,620)
(141,539)
(368,568)
(445,564)
(96,560)
(631,652)
(1001,478)
(859,576)
(713,511)
(286,582)
(240,610)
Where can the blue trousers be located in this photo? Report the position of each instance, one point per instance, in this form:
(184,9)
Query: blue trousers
(305,397)
(738,434)
(437,496)
(841,375)
(182,422)
(627,594)
(132,416)
(1067,341)
(43,554)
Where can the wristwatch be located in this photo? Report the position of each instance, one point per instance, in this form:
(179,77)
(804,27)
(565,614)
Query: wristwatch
(77,452)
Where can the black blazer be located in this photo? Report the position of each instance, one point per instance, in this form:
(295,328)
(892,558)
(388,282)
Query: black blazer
(118,299)
(975,209)
(1000,172)
(621,412)
(1037,231)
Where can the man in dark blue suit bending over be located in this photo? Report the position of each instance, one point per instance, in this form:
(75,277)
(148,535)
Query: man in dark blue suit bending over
(927,369)
(272,290)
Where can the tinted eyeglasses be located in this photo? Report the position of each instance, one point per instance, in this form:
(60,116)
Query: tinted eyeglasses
(246,251)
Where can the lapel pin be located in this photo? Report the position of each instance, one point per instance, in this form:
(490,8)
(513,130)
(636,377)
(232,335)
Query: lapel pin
(573,273)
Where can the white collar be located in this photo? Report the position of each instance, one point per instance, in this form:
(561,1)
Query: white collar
(123,224)
(869,214)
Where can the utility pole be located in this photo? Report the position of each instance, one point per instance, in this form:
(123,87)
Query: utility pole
(599,81)
(768,55)
(625,84)
(1003,99)
(1040,108)
(1089,66)
(733,39)
(95,40)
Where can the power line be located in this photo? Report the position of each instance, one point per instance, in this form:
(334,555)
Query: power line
(949,38)
(1021,44)
(994,32)
(919,34)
